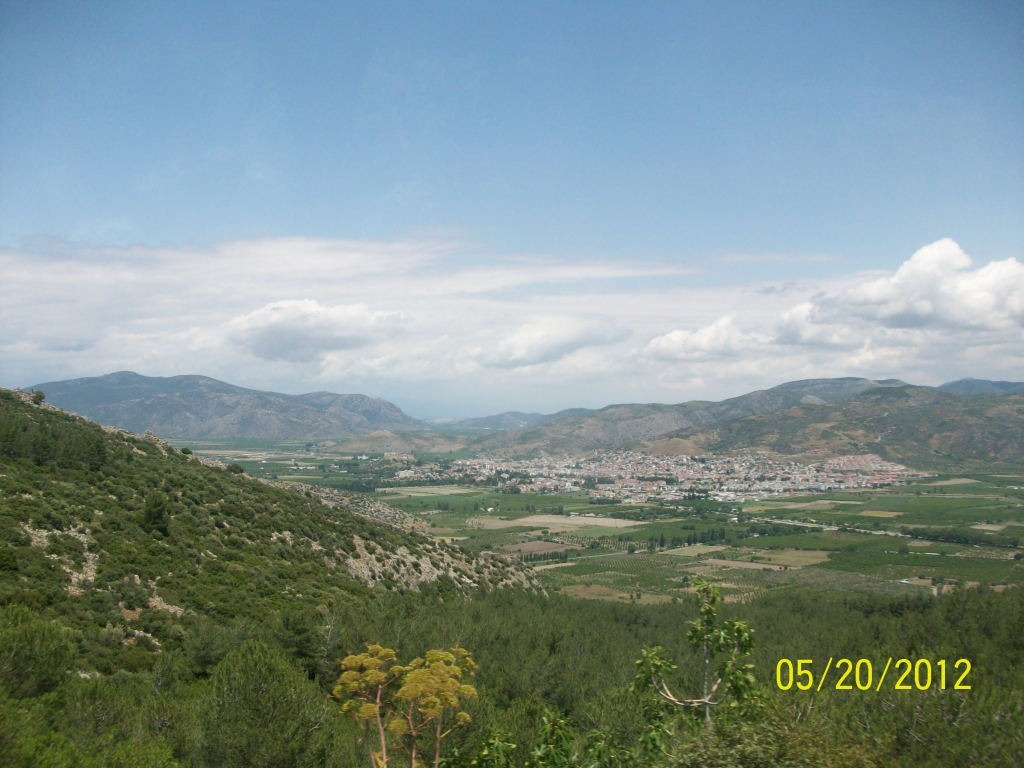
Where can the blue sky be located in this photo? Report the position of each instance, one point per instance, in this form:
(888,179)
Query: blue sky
(728,148)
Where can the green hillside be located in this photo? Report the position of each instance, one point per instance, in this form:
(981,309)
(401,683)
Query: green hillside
(158,612)
(917,426)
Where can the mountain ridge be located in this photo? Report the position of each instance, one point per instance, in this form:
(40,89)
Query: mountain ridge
(196,407)
(919,426)
(192,406)
(971,387)
(626,423)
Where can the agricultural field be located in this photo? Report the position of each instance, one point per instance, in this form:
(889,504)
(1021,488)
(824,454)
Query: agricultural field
(866,541)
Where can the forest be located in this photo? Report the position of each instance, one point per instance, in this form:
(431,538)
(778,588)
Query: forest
(158,612)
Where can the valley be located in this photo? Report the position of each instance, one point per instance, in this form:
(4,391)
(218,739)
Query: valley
(864,521)
(156,574)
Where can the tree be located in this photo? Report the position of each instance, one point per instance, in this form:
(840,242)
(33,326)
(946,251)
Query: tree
(555,747)
(430,688)
(34,655)
(734,638)
(496,752)
(154,514)
(261,711)
(363,682)
(386,698)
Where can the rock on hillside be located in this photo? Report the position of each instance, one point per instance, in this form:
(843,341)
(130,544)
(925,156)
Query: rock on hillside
(200,407)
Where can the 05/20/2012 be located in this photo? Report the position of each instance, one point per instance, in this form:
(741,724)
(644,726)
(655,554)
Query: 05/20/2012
(859,675)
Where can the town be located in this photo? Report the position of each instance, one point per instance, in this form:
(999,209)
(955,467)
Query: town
(631,477)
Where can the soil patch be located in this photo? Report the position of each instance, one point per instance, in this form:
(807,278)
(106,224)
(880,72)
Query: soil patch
(693,550)
(554,522)
(534,547)
(428,490)
(794,558)
(743,564)
(599,592)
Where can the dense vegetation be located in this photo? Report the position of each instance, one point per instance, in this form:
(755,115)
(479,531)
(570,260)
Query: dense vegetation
(150,616)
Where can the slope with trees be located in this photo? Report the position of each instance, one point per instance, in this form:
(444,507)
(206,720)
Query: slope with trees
(917,426)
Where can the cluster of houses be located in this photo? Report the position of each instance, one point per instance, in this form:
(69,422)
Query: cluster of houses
(631,477)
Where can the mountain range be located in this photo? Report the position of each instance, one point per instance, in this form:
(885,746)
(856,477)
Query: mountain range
(965,419)
(982,387)
(621,425)
(200,407)
(922,427)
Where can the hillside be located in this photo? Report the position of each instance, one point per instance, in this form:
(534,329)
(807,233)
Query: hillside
(200,407)
(510,420)
(917,426)
(620,425)
(84,508)
(970,387)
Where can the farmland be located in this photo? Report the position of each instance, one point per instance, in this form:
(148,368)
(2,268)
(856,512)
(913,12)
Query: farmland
(929,535)
(842,541)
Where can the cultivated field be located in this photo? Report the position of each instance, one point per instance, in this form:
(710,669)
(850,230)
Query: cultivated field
(553,521)
(963,530)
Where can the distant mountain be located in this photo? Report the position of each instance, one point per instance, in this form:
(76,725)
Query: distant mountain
(503,422)
(918,426)
(620,425)
(970,387)
(201,407)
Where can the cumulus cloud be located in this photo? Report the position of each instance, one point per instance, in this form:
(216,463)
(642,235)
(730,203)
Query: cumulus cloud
(935,313)
(547,339)
(721,338)
(933,301)
(934,289)
(302,331)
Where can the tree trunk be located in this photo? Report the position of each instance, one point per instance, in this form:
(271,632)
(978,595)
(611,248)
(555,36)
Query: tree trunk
(412,738)
(707,704)
(380,731)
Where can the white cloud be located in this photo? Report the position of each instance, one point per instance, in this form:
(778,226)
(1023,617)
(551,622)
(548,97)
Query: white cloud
(438,322)
(303,331)
(547,339)
(931,320)
(935,289)
(721,338)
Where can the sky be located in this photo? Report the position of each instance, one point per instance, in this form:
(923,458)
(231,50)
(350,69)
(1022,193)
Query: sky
(468,208)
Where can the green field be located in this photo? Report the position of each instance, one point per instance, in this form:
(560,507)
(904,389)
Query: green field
(750,549)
